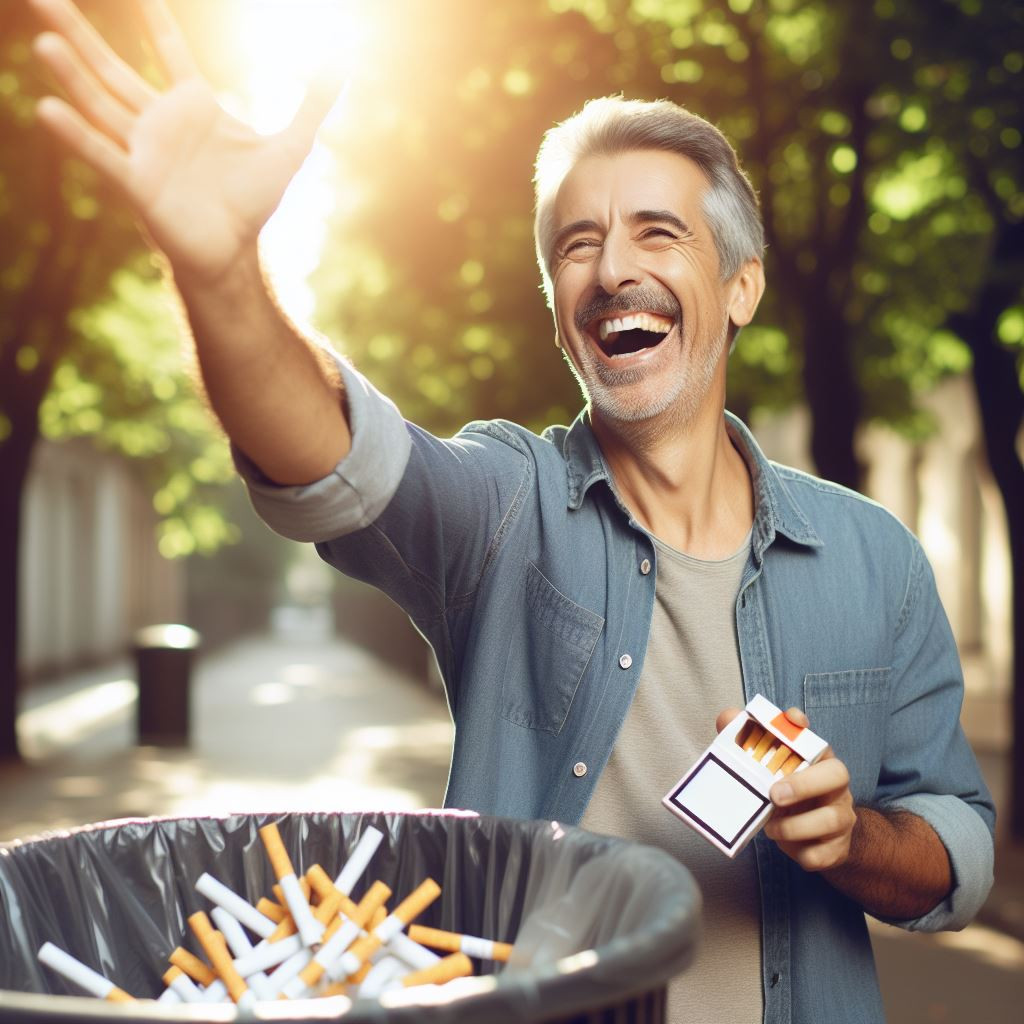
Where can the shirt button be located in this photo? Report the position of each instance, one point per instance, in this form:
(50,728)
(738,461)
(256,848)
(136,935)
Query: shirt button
(579,769)
(645,566)
(625,661)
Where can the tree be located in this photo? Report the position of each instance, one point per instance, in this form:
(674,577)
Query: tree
(88,345)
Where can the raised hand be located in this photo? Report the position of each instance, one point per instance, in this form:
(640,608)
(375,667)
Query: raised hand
(202,182)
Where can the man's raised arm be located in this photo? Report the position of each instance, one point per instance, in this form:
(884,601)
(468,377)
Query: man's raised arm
(204,184)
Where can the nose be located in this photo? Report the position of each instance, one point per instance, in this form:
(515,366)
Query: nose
(617,268)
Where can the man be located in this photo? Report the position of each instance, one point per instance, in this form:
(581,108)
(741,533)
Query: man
(595,595)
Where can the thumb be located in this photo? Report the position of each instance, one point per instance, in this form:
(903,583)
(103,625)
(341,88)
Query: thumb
(725,717)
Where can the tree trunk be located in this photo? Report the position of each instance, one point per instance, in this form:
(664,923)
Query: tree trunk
(833,394)
(1001,405)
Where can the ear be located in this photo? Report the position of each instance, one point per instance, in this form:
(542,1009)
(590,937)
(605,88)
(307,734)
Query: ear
(744,293)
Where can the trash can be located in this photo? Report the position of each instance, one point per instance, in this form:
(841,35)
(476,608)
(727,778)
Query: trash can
(163,665)
(599,924)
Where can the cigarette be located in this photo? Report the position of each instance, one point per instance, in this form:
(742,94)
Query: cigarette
(267,955)
(309,927)
(240,946)
(762,745)
(457,965)
(381,974)
(453,942)
(84,977)
(414,954)
(289,970)
(169,997)
(358,859)
(216,949)
(749,735)
(791,764)
(178,981)
(779,758)
(217,892)
(330,952)
(198,971)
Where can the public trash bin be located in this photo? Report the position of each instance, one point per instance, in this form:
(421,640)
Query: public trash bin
(163,664)
(599,924)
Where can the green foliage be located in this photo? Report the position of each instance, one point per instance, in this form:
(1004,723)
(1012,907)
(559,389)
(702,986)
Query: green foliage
(862,126)
(86,325)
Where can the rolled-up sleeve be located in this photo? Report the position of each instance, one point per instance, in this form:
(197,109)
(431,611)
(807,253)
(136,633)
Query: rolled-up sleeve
(359,487)
(929,768)
(968,842)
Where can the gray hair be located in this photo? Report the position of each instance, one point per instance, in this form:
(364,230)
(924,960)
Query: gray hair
(612,125)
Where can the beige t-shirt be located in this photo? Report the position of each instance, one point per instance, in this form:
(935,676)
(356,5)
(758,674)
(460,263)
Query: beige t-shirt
(691,672)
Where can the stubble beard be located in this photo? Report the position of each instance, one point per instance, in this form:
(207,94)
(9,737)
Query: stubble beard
(621,400)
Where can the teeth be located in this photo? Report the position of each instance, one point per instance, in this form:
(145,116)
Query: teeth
(632,322)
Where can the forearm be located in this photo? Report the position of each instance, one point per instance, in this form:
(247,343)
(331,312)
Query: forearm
(277,398)
(897,866)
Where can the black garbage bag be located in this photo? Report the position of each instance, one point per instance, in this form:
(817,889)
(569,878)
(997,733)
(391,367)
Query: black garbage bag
(597,922)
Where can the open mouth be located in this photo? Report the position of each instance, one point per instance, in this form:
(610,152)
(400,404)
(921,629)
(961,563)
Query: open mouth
(634,332)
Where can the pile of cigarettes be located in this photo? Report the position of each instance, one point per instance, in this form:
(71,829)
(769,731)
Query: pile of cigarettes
(314,941)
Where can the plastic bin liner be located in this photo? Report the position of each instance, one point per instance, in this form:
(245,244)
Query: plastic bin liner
(597,922)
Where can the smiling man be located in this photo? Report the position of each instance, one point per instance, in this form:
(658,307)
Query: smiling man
(599,596)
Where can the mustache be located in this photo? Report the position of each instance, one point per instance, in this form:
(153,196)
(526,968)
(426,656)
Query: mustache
(641,299)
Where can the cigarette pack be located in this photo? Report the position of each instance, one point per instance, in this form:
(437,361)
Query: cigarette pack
(724,796)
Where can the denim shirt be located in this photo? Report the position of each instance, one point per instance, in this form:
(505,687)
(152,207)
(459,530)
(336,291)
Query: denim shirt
(535,586)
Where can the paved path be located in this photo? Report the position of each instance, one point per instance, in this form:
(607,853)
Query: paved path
(294,724)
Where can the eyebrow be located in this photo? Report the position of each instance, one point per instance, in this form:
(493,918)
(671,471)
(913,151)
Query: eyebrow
(636,217)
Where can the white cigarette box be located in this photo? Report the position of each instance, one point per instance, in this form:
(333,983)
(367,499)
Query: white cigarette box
(724,796)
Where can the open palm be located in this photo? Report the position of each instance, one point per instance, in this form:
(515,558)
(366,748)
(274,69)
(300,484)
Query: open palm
(202,182)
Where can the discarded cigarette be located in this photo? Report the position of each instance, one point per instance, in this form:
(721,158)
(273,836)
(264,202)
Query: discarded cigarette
(267,955)
(217,892)
(84,977)
(453,942)
(216,949)
(198,971)
(413,953)
(381,974)
(239,944)
(177,980)
(457,965)
(309,927)
(358,859)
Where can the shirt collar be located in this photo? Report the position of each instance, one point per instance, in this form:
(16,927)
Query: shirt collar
(776,510)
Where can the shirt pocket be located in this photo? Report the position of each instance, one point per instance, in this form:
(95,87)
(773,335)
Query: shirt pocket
(849,709)
(551,647)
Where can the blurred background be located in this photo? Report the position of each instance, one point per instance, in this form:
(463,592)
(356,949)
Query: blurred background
(884,139)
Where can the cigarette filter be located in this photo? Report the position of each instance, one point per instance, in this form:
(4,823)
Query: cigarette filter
(724,796)
(216,949)
(178,981)
(198,971)
(457,965)
(453,942)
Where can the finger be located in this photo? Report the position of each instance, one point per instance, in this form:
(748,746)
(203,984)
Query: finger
(98,106)
(797,717)
(84,140)
(725,717)
(324,92)
(812,783)
(818,825)
(125,83)
(169,41)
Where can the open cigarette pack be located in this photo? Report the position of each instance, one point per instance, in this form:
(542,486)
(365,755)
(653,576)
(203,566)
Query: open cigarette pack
(724,796)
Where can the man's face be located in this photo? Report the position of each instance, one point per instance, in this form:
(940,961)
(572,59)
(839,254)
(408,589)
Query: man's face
(640,311)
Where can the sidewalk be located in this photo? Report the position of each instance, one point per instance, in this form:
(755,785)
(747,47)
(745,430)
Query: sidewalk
(279,724)
(304,722)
